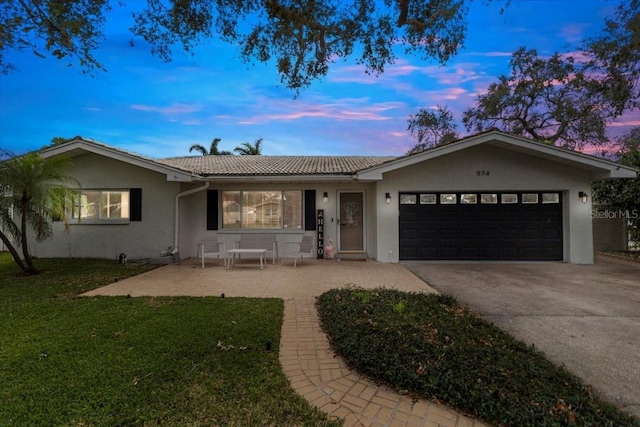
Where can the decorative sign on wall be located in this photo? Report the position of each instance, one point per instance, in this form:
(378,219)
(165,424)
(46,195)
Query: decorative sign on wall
(320,239)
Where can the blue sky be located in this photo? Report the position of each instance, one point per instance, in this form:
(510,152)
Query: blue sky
(156,109)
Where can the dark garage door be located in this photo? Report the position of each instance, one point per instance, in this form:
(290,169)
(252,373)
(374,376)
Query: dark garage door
(481,226)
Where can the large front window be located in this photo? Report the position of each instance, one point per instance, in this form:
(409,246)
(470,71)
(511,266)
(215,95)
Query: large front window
(262,209)
(102,204)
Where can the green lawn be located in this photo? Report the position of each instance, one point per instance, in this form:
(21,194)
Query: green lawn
(432,347)
(107,361)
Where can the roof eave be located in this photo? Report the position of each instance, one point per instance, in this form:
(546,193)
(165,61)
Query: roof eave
(599,168)
(278,178)
(74,146)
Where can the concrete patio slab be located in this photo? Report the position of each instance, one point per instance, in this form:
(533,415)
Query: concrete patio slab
(306,281)
(313,370)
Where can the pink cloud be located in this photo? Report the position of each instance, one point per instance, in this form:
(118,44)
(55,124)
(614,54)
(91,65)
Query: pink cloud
(347,109)
(176,108)
(573,32)
(493,54)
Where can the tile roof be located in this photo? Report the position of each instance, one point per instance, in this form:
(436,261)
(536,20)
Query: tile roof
(274,165)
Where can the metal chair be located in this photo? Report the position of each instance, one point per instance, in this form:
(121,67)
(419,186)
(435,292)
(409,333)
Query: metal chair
(212,249)
(304,248)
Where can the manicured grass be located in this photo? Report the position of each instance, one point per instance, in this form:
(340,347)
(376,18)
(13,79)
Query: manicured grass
(107,361)
(433,347)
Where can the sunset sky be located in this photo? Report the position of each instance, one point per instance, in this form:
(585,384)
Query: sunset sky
(156,109)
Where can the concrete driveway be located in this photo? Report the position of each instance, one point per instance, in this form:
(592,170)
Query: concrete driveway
(586,317)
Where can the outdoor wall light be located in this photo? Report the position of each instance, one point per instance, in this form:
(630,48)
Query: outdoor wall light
(583,196)
(325,197)
(387,198)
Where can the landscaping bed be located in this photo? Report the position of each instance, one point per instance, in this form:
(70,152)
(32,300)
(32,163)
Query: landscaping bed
(626,255)
(107,361)
(432,347)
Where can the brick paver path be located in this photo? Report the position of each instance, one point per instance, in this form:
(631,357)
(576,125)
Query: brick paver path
(322,378)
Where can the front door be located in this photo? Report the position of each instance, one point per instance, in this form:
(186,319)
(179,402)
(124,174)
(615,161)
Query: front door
(351,222)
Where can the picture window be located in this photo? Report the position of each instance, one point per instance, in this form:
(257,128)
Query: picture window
(262,209)
(101,205)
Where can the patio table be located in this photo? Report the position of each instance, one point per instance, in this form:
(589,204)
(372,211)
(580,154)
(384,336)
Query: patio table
(233,252)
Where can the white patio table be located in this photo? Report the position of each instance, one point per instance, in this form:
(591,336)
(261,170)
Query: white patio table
(233,252)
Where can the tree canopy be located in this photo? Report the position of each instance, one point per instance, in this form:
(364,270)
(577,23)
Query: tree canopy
(563,99)
(302,37)
(615,54)
(546,99)
(431,127)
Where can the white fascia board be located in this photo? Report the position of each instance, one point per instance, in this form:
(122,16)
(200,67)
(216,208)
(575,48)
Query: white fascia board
(599,168)
(280,178)
(172,174)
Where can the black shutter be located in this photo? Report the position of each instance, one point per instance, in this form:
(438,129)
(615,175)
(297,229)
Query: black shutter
(212,209)
(309,209)
(135,204)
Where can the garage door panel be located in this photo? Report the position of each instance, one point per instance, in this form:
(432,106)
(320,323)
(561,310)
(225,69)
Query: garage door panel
(491,229)
(510,232)
(468,214)
(467,232)
(490,233)
(449,252)
(429,234)
(409,253)
(551,234)
(428,253)
(530,233)
(509,215)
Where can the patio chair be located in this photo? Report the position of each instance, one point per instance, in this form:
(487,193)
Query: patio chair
(212,249)
(304,248)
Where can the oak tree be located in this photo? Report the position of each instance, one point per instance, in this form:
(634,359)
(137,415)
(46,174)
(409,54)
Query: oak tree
(431,127)
(553,99)
(302,37)
(615,55)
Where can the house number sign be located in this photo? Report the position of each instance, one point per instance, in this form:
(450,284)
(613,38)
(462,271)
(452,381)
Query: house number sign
(320,239)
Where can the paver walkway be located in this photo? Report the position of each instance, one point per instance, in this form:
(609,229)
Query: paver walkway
(322,378)
(314,371)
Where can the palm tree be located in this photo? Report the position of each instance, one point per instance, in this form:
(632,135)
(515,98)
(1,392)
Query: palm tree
(34,188)
(246,149)
(213,149)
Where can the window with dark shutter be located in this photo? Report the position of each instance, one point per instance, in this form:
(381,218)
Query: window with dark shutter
(135,202)
(310,209)
(212,209)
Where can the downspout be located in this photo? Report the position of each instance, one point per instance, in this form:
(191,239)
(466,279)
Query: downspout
(177,221)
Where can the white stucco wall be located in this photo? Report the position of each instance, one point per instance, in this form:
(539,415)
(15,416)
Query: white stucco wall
(143,239)
(193,220)
(507,170)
